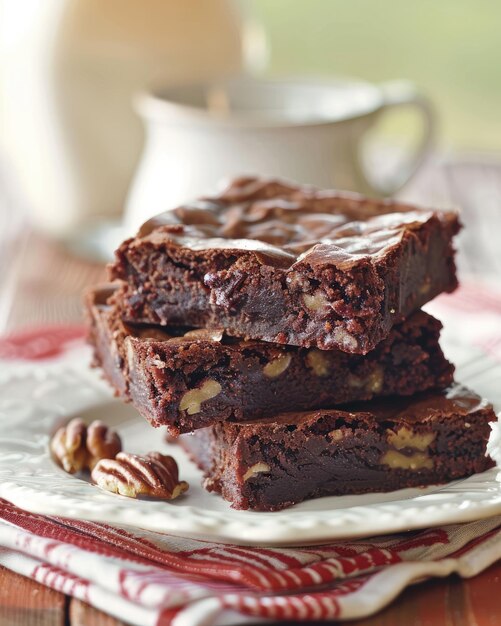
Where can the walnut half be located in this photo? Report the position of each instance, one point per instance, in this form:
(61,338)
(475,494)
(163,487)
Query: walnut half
(257,468)
(317,302)
(192,400)
(373,382)
(416,461)
(76,446)
(274,368)
(318,361)
(406,438)
(155,475)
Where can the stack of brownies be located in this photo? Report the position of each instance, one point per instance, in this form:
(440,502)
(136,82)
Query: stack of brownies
(276,332)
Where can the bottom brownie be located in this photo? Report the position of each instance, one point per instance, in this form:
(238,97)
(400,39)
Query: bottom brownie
(273,463)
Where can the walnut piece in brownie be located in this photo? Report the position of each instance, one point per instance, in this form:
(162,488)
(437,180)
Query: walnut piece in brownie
(384,445)
(292,265)
(191,379)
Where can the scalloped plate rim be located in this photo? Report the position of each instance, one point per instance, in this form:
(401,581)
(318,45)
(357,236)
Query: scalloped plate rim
(288,527)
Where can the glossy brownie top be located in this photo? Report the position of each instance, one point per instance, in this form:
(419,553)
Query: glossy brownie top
(282,224)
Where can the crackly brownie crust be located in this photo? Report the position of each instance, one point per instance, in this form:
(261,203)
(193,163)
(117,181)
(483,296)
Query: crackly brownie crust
(286,264)
(189,381)
(380,446)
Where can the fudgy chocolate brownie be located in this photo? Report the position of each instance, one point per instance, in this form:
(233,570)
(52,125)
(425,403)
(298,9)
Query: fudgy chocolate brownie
(292,265)
(380,446)
(191,379)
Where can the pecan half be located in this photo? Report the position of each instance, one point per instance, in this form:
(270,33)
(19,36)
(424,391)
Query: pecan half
(154,474)
(102,443)
(68,446)
(76,446)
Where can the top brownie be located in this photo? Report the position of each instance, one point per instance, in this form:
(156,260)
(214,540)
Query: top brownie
(294,265)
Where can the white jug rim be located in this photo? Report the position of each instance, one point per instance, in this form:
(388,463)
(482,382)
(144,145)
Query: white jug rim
(257,103)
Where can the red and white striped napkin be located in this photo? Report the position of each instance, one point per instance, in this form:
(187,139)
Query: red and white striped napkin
(148,578)
(472,316)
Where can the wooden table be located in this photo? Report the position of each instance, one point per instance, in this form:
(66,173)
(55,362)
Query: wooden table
(45,286)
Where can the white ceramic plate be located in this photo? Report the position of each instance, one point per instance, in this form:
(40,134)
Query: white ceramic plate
(34,400)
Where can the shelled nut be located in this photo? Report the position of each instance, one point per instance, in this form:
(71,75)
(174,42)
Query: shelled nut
(102,443)
(406,438)
(68,446)
(277,366)
(318,361)
(154,475)
(316,302)
(192,400)
(257,468)
(349,342)
(416,461)
(373,382)
(76,446)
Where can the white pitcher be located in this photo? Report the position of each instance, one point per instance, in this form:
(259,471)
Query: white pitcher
(68,72)
(306,130)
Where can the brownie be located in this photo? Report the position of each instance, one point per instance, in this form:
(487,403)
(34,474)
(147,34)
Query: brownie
(291,265)
(167,372)
(379,446)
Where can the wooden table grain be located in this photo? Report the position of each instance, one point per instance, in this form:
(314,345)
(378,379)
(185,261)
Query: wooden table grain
(45,285)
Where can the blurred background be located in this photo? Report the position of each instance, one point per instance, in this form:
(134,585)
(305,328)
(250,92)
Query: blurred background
(75,155)
(451,49)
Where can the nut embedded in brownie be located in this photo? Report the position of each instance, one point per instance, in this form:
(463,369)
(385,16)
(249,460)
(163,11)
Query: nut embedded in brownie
(192,379)
(384,445)
(287,264)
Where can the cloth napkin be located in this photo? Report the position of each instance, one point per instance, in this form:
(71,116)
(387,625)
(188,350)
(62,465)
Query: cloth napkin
(148,578)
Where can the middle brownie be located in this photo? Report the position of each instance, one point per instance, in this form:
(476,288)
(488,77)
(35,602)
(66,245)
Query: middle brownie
(188,379)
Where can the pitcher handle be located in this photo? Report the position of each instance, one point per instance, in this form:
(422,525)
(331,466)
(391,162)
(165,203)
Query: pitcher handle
(400,94)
